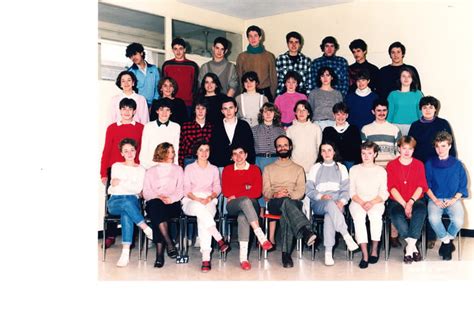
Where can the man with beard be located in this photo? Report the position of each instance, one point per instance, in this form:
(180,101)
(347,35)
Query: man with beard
(284,187)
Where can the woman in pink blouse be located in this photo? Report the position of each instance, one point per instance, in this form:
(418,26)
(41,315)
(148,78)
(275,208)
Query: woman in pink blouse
(202,185)
(163,190)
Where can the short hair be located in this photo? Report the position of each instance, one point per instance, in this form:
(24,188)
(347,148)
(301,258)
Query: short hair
(126,102)
(173,83)
(252,76)
(397,45)
(129,141)
(358,44)
(226,99)
(132,75)
(290,142)
(161,151)
(321,71)
(258,30)
(294,75)
(379,102)
(340,107)
(237,146)
(442,136)
(272,107)
(409,140)
(368,145)
(415,83)
(178,41)
(363,74)
(330,40)
(134,48)
(306,105)
(198,144)
(337,156)
(164,102)
(294,34)
(215,78)
(200,101)
(223,41)
(426,100)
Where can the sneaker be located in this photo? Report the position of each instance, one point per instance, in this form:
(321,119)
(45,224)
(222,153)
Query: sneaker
(123,261)
(206,266)
(245,265)
(109,241)
(197,243)
(351,244)
(328,260)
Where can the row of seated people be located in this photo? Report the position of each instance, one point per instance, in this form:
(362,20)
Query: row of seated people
(329,187)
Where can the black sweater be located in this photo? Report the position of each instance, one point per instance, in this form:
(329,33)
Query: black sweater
(347,143)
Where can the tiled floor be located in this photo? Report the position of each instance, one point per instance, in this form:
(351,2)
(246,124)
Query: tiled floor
(432,268)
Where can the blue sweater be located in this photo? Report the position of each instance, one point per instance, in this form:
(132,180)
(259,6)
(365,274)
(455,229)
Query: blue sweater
(147,84)
(360,109)
(447,177)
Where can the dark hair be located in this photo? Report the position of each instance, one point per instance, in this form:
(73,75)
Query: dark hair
(252,76)
(272,107)
(198,144)
(178,41)
(134,48)
(215,78)
(396,45)
(340,106)
(292,75)
(223,41)
(321,71)
(368,145)
(307,106)
(236,146)
(363,74)
(330,40)
(294,34)
(290,142)
(226,99)
(443,136)
(126,102)
(358,44)
(337,157)
(126,141)
(173,83)
(161,151)
(415,83)
(132,75)
(200,101)
(164,102)
(254,28)
(407,140)
(426,100)
(379,102)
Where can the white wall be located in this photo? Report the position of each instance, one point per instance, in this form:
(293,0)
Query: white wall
(437,34)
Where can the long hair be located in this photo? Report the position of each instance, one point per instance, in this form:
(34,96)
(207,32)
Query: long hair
(337,156)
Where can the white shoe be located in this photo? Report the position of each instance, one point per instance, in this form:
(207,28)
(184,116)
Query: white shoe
(197,243)
(148,232)
(351,244)
(190,242)
(123,261)
(328,260)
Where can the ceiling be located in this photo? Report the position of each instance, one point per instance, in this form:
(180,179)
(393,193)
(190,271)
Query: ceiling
(250,9)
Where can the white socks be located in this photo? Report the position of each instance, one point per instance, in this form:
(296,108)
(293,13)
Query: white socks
(244,246)
(446,239)
(124,258)
(328,260)
(206,255)
(411,246)
(260,235)
(148,232)
(351,244)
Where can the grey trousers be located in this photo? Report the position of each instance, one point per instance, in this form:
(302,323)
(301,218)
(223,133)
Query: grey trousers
(334,220)
(292,219)
(246,211)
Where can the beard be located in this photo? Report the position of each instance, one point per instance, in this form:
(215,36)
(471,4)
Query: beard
(284,154)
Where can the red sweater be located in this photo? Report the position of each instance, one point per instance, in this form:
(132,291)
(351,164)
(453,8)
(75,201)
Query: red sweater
(234,182)
(413,174)
(186,75)
(113,136)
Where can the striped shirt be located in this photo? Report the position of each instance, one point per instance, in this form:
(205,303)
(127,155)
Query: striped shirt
(264,137)
(386,136)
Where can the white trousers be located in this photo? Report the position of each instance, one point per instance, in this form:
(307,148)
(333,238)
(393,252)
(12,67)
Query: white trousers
(375,221)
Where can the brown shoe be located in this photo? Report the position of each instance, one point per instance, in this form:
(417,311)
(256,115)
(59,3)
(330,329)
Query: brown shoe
(430,244)
(394,242)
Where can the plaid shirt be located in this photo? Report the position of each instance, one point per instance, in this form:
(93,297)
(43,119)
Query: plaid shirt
(302,66)
(191,132)
(340,67)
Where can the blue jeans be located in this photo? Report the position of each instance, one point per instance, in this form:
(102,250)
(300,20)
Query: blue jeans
(128,208)
(456,217)
(261,162)
(407,229)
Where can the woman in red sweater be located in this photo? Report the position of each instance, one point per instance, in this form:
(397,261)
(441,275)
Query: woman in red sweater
(242,186)
(406,182)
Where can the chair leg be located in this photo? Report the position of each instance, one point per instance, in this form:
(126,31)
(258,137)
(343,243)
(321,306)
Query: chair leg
(423,242)
(103,241)
(265,253)
(459,245)
(386,239)
(299,243)
(140,233)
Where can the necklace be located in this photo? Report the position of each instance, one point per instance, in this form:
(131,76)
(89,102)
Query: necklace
(405,175)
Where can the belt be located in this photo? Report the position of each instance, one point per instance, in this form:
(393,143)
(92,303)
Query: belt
(266,155)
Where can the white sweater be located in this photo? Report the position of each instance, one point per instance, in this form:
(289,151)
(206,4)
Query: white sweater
(131,179)
(306,139)
(153,136)
(368,182)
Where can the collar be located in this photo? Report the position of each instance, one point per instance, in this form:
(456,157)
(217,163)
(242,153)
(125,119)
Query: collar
(165,123)
(363,92)
(332,163)
(423,120)
(246,167)
(135,66)
(119,123)
(229,123)
(342,128)
(258,49)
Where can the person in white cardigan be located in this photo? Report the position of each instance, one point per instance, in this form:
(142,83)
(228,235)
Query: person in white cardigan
(306,136)
(157,132)
(368,191)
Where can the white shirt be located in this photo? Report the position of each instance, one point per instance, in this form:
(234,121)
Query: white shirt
(230,128)
(153,136)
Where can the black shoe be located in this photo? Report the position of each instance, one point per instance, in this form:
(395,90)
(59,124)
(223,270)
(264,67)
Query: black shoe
(443,249)
(430,244)
(452,246)
(308,237)
(273,248)
(373,259)
(160,261)
(448,256)
(172,252)
(363,264)
(286,260)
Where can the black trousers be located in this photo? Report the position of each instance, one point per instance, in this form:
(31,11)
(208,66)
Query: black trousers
(159,212)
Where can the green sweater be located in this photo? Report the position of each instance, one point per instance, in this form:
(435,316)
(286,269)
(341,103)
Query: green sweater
(403,107)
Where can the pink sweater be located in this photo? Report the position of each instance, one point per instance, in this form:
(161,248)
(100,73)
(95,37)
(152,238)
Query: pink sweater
(201,180)
(141,114)
(286,104)
(163,179)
